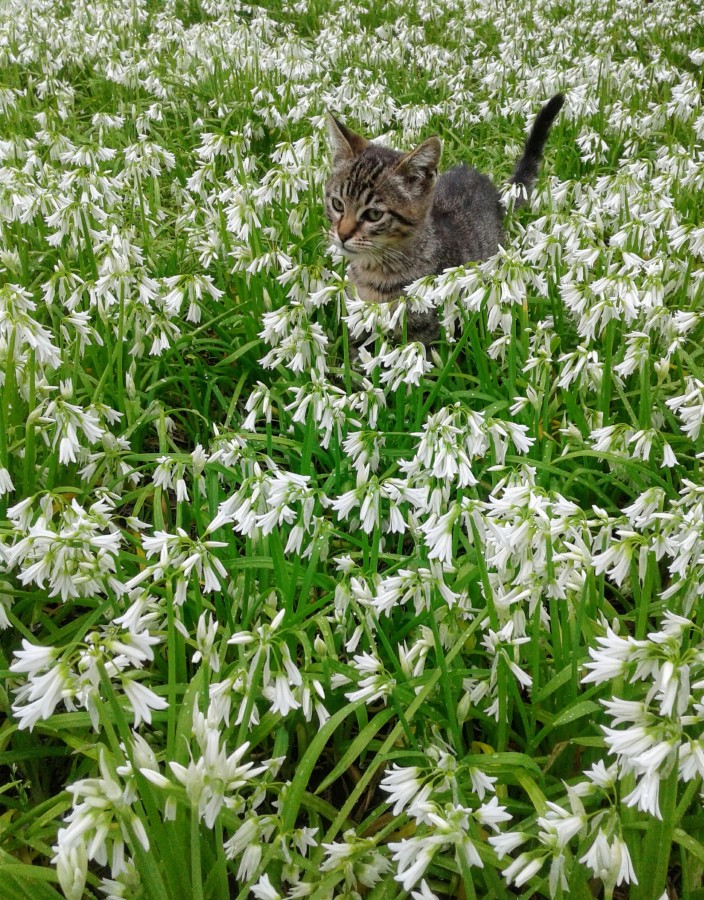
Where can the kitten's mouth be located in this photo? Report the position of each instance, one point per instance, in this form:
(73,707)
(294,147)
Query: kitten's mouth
(346,251)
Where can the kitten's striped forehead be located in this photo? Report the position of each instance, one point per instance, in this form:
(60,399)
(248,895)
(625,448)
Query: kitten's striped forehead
(364,173)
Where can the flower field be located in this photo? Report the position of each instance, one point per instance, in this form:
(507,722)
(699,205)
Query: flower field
(280,623)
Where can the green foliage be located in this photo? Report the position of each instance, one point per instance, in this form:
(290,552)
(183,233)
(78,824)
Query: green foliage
(247,582)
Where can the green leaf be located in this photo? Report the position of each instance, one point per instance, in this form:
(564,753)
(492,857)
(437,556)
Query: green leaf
(589,741)
(184,723)
(20,881)
(689,843)
(537,797)
(576,711)
(502,762)
(555,682)
(360,743)
(301,780)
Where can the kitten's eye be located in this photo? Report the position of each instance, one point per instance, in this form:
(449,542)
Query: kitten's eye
(337,205)
(372,215)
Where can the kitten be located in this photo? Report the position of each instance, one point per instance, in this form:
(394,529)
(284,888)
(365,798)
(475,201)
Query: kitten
(396,221)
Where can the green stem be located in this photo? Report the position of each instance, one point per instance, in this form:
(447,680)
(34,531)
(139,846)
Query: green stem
(646,405)
(7,398)
(120,353)
(171,662)
(484,574)
(652,878)
(643,594)
(467,877)
(687,797)
(446,687)
(30,433)
(252,692)
(605,399)
(196,873)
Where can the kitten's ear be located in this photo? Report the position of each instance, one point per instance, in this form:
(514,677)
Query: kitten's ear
(421,163)
(344,142)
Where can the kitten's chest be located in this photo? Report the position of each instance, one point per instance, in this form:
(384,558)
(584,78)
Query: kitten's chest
(372,295)
(378,287)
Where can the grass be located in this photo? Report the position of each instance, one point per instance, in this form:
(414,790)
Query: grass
(491,596)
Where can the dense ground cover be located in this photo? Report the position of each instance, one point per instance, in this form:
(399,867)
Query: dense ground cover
(274,625)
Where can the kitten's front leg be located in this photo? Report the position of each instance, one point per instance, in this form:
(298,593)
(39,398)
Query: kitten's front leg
(420,327)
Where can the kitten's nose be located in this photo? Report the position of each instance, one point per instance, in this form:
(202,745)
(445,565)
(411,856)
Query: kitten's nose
(346,229)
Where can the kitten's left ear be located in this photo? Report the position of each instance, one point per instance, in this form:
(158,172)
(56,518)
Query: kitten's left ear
(421,163)
(344,142)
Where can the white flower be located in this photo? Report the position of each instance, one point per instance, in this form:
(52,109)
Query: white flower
(100,822)
(419,586)
(523,868)
(6,485)
(206,632)
(248,841)
(402,785)
(645,794)
(264,889)
(33,658)
(559,827)
(602,776)
(76,551)
(281,696)
(72,868)
(505,843)
(610,862)
(610,659)
(142,700)
(691,760)
(424,893)
(413,857)
(401,365)
(371,688)
(357,858)
(38,699)
(668,456)
(490,814)
(481,782)
(214,773)
(690,407)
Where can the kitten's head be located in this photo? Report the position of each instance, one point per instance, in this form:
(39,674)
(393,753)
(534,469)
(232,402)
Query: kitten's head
(377,198)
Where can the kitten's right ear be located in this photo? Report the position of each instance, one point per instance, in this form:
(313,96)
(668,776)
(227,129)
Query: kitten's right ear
(422,163)
(345,143)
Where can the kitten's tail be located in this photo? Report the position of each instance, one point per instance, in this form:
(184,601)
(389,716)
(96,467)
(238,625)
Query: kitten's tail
(527,166)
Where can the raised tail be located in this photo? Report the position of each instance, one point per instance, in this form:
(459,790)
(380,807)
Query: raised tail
(527,166)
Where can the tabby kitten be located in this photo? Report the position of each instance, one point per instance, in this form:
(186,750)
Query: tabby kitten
(396,221)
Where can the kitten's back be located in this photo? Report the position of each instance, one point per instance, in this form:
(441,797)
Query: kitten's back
(466,216)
